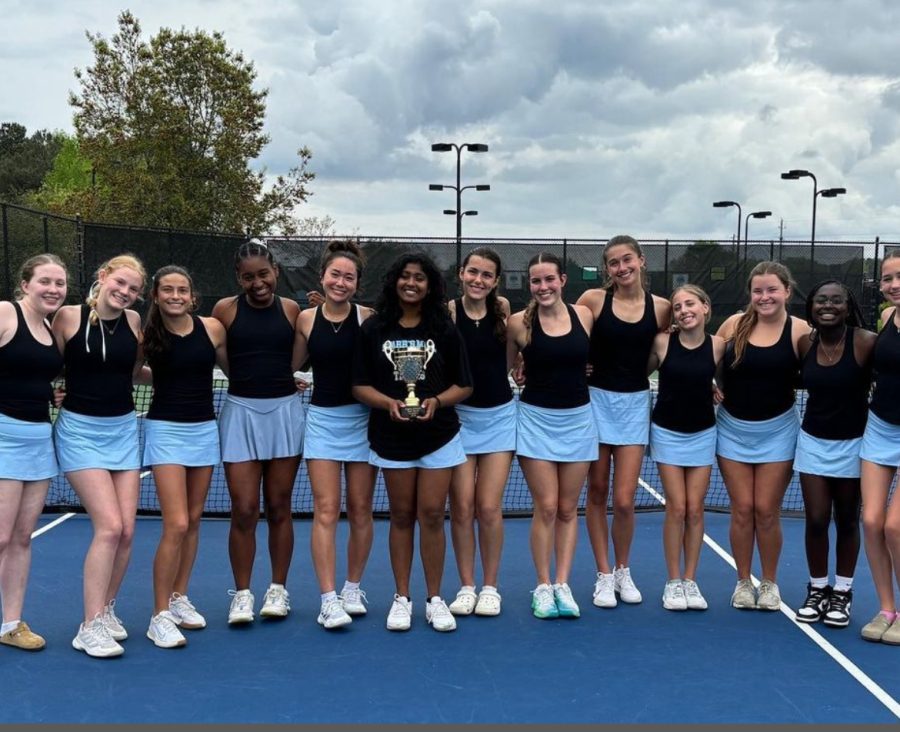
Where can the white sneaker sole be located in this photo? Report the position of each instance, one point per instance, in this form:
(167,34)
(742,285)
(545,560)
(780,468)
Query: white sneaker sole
(112,653)
(398,627)
(273,612)
(240,619)
(355,610)
(170,644)
(332,624)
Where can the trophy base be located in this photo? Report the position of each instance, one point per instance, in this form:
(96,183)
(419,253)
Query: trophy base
(411,411)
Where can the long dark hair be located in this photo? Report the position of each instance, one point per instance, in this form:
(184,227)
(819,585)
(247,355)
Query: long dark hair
(492,302)
(388,311)
(156,337)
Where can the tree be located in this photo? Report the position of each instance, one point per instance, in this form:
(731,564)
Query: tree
(171,127)
(70,184)
(24,160)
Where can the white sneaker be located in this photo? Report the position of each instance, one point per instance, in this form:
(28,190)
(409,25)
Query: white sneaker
(438,614)
(605,590)
(354,601)
(276,603)
(241,607)
(673,596)
(744,596)
(625,586)
(163,631)
(400,615)
(184,612)
(566,607)
(769,598)
(113,624)
(94,639)
(333,615)
(465,601)
(695,600)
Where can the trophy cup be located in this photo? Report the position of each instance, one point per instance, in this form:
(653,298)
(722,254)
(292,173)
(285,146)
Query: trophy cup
(409,367)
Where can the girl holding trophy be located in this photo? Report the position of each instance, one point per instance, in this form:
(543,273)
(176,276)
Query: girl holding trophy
(410,367)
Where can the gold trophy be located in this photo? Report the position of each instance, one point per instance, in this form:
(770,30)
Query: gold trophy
(409,365)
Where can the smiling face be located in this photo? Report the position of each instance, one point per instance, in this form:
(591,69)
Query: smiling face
(412,284)
(890,280)
(689,311)
(478,277)
(623,265)
(340,280)
(46,290)
(174,296)
(119,288)
(768,295)
(545,283)
(829,306)
(258,278)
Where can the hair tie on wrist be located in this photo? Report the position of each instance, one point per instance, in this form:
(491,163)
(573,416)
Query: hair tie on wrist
(438,400)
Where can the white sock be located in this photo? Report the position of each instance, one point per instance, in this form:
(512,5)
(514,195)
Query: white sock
(435,598)
(11,625)
(842,584)
(326,596)
(348,585)
(819,583)
(470,588)
(489,588)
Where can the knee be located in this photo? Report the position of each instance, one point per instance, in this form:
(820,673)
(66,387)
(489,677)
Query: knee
(766,518)
(676,512)
(741,514)
(176,529)
(463,514)
(695,514)
(244,516)
(816,525)
(623,510)
(546,514)
(892,532)
(327,515)
(566,515)
(403,520)
(110,533)
(489,515)
(598,492)
(431,518)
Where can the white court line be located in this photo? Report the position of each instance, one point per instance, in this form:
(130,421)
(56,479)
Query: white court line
(55,522)
(145,474)
(851,668)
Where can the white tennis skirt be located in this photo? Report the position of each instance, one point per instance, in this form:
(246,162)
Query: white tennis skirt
(448,456)
(261,429)
(622,417)
(191,444)
(880,442)
(337,433)
(107,443)
(765,441)
(485,430)
(683,449)
(27,452)
(557,435)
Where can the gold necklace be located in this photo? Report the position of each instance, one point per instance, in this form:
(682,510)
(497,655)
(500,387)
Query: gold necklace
(334,327)
(111,331)
(838,344)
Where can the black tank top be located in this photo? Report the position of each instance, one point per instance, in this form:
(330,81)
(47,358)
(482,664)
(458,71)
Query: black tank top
(886,364)
(331,356)
(837,395)
(260,346)
(487,359)
(685,400)
(99,362)
(762,386)
(27,367)
(183,378)
(619,350)
(555,366)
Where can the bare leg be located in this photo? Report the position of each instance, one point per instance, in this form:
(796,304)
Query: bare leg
(626,471)
(493,472)
(769,485)
(597,507)
(401,490)
(20,507)
(360,479)
(697,484)
(432,488)
(570,478)
(462,519)
(738,479)
(278,486)
(243,487)
(543,482)
(875,484)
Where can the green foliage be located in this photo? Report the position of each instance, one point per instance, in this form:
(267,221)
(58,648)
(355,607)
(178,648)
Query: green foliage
(171,126)
(68,185)
(24,160)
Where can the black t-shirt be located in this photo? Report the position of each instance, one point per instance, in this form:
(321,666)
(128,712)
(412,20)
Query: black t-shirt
(371,367)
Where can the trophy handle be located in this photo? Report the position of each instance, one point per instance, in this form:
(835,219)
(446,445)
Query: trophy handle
(429,351)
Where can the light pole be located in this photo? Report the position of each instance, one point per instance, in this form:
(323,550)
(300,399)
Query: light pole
(826,193)
(728,204)
(476,147)
(753,215)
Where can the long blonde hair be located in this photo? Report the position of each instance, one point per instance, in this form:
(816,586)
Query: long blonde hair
(110,266)
(748,320)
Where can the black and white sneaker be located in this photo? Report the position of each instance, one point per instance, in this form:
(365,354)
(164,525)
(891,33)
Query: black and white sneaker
(816,604)
(838,614)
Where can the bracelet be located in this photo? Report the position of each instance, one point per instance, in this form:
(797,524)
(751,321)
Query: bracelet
(438,400)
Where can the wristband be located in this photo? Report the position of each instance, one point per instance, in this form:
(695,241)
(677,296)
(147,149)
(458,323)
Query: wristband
(438,400)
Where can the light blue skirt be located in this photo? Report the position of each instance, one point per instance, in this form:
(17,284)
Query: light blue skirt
(881,442)
(27,452)
(488,429)
(622,418)
(106,443)
(448,456)
(557,435)
(191,444)
(261,429)
(756,442)
(337,433)
(828,458)
(683,449)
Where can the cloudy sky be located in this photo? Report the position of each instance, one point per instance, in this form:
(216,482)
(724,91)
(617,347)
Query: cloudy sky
(602,117)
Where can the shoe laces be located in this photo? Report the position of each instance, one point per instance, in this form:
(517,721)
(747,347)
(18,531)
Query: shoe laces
(625,580)
(276,596)
(97,632)
(690,588)
(400,606)
(439,610)
(814,596)
(676,590)
(839,601)
(543,595)
(605,582)
(563,592)
(241,602)
(109,614)
(182,602)
(354,595)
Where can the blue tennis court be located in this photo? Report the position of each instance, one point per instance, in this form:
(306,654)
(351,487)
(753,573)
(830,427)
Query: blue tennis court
(631,664)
